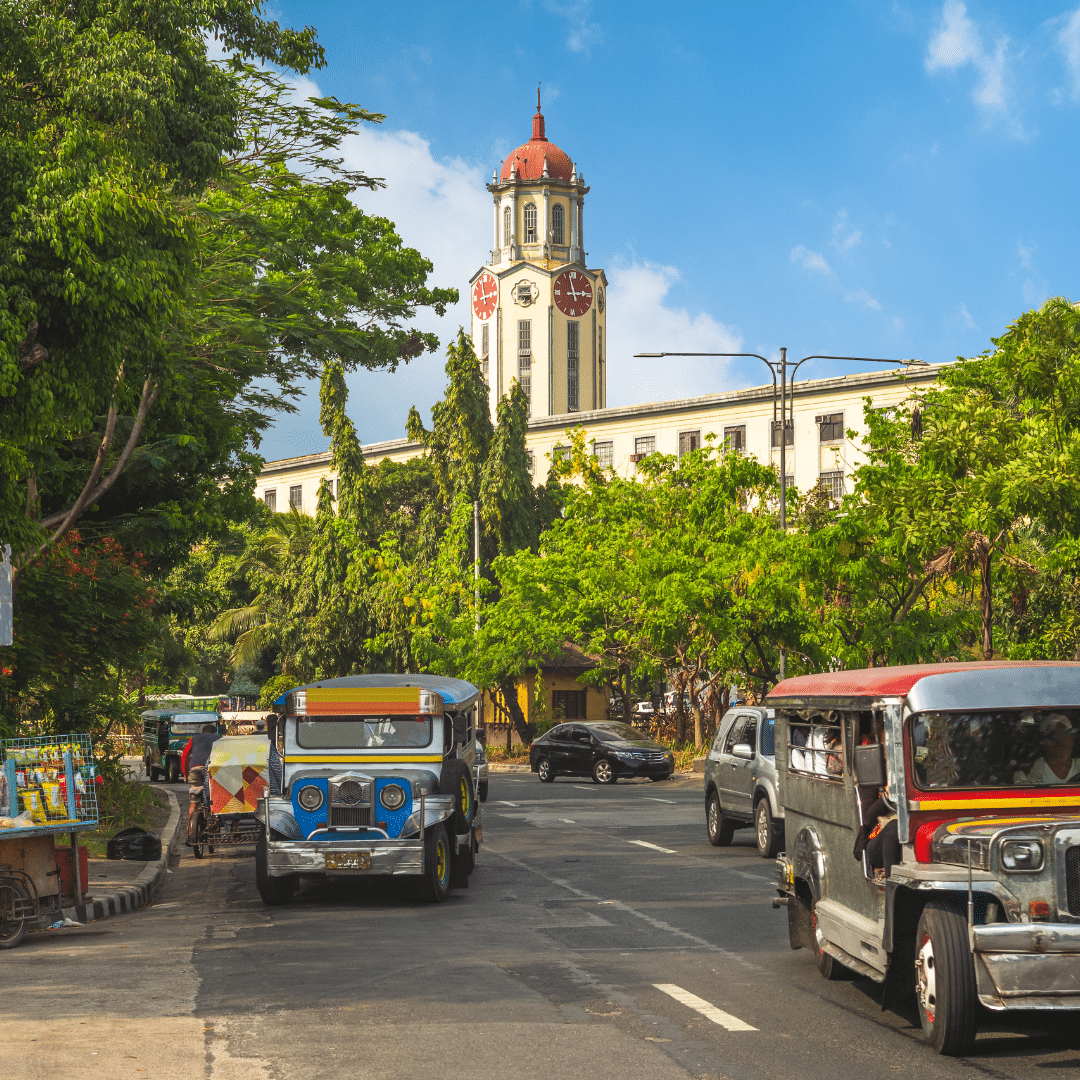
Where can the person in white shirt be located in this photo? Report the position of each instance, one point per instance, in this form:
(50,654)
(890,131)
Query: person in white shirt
(1057,764)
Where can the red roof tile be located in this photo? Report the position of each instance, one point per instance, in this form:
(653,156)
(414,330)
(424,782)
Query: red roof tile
(529,157)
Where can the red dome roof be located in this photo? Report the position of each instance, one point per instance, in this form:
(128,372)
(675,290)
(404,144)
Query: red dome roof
(529,157)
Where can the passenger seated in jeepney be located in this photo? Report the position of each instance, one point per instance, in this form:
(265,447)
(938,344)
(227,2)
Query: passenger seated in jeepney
(879,838)
(1056,765)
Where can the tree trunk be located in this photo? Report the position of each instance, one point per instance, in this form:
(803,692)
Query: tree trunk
(985,556)
(624,693)
(508,688)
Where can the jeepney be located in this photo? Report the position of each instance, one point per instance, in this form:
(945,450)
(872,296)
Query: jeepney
(371,775)
(981,766)
(166,732)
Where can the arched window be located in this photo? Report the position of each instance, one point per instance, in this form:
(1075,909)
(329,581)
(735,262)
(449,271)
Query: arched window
(507,234)
(558,224)
(530,223)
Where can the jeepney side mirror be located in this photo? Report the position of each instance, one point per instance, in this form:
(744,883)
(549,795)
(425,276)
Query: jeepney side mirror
(870,765)
(460,729)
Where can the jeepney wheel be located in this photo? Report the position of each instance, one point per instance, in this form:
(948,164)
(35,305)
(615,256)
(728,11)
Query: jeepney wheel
(945,979)
(273,890)
(434,884)
(482,790)
(830,968)
(13,898)
(721,829)
(769,841)
(603,772)
(456,779)
(172,771)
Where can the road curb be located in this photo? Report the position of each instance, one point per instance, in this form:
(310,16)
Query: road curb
(142,890)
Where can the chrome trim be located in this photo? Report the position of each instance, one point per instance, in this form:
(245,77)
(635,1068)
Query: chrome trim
(808,861)
(1064,838)
(1029,966)
(309,857)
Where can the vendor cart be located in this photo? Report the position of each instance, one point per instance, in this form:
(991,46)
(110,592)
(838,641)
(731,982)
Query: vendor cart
(47,793)
(224,794)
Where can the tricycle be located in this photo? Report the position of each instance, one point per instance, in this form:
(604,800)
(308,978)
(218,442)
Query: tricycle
(224,794)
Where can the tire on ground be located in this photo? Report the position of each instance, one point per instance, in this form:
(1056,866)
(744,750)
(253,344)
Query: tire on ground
(603,772)
(945,979)
(456,779)
(769,842)
(273,890)
(545,771)
(434,884)
(721,829)
(12,929)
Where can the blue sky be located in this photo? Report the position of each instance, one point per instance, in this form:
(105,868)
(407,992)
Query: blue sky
(855,177)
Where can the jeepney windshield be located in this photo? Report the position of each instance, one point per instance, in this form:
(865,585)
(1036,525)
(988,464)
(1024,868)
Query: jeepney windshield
(1026,747)
(362,732)
(191,725)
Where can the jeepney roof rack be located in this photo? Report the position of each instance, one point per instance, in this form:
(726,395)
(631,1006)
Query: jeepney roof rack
(456,693)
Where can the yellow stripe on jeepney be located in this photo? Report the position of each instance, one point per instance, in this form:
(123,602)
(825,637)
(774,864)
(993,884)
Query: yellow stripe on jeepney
(1028,801)
(362,759)
(364,693)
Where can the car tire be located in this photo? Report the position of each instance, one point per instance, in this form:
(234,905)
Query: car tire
(769,842)
(945,979)
(12,929)
(482,790)
(172,771)
(721,829)
(456,779)
(434,884)
(603,772)
(274,891)
(545,771)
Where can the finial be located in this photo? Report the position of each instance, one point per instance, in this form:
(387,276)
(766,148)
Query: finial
(538,97)
(546,173)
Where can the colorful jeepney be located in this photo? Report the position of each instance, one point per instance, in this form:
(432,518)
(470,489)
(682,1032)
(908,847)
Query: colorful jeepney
(371,775)
(980,770)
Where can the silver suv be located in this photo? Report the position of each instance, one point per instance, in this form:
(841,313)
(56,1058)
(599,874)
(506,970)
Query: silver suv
(740,780)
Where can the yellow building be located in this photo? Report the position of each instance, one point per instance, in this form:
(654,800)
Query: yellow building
(538,312)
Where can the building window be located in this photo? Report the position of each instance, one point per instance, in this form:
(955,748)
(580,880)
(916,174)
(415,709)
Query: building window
(508,235)
(525,358)
(644,446)
(296,496)
(830,427)
(604,452)
(691,440)
(789,433)
(530,223)
(532,462)
(560,453)
(569,704)
(485,349)
(573,352)
(833,484)
(270,498)
(558,224)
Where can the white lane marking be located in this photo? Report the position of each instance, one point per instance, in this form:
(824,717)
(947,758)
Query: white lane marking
(752,877)
(567,821)
(700,1005)
(652,798)
(655,847)
(503,802)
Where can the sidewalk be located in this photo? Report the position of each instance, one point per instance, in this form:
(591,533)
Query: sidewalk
(119,886)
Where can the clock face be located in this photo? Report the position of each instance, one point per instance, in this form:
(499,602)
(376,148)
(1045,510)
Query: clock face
(485,295)
(600,301)
(573,293)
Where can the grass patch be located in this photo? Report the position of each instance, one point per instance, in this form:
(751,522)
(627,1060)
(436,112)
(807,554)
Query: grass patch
(152,817)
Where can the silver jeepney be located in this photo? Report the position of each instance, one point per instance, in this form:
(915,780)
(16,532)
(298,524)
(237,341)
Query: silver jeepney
(372,775)
(984,906)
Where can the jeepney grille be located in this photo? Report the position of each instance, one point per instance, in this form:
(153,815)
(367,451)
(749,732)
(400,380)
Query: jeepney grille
(350,815)
(1072,879)
(349,792)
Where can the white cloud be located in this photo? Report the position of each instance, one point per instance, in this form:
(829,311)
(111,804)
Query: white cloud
(844,235)
(969,322)
(1068,43)
(861,296)
(582,33)
(641,320)
(957,43)
(813,261)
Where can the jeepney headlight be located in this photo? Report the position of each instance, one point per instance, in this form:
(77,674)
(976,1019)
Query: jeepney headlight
(392,796)
(1022,855)
(310,798)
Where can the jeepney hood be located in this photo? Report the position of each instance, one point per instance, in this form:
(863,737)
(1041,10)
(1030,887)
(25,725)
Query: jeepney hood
(953,839)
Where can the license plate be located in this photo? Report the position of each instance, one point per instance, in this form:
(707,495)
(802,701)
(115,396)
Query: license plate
(348,860)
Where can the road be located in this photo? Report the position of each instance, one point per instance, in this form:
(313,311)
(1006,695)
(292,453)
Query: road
(601,937)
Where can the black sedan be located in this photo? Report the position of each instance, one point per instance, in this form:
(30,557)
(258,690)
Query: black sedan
(604,750)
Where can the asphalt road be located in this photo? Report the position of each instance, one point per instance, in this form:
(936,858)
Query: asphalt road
(601,937)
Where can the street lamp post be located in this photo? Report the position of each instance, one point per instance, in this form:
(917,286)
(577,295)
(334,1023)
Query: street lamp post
(786,402)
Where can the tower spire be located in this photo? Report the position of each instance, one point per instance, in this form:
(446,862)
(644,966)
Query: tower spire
(538,121)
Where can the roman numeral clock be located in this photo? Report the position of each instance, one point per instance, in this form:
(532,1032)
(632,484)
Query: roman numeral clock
(573,294)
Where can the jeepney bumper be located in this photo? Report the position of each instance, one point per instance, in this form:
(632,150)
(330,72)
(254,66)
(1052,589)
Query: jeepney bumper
(1027,965)
(374,857)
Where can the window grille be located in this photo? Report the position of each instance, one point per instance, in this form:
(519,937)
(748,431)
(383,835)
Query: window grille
(604,452)
(296,496)
(530,223)
(689,441)
(569,704)
(644,446)
(532,462)
(573,351)
(560,453)
(789,434)
(735,439)
(525,358)
(507,227)
(270,498)
(816,749)
(830,427)
(558,224)
(833,483)
(485,348)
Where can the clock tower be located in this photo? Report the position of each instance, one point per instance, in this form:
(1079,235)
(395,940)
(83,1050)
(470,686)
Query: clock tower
(539,314)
